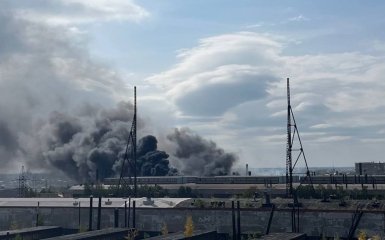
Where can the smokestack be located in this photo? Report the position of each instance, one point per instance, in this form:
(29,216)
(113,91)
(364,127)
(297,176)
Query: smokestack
(247,169)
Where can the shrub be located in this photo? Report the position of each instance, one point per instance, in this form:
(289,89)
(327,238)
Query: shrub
(189,227)
(164,229)
(361,235)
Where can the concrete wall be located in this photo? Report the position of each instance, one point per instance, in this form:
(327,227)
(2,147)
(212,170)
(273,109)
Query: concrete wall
(311,223)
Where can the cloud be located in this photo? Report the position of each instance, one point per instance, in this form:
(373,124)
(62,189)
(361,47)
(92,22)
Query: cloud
(240,79)
(299,18)
(72,12)
(224,71)
(256,25)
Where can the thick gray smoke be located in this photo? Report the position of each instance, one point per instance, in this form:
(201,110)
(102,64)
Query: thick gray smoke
(95,141)
(194,155)
(84,144)
(42,70)
(45,74)
(152,162)
(58,111)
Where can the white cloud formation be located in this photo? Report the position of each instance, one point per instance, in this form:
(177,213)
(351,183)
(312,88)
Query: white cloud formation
(73,12)
(222,71)
(241,79)
(299,18)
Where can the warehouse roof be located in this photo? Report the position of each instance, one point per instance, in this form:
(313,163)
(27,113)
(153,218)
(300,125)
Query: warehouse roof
(85,202)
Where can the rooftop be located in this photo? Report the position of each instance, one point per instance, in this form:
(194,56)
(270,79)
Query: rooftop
(84,202)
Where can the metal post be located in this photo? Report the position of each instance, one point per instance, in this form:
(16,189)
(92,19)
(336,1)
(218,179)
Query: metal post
(99,212)
(125,214)
(90,215)
(129,211)
(346,181)
(134,144)
(37,214)
(270,219)
(293,228)
(79,214)
(293,214)
(298,219)
(238,221)
(133,214)
(233,220)
(116,217)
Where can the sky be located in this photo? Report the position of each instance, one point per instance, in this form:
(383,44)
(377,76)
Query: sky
(218,67)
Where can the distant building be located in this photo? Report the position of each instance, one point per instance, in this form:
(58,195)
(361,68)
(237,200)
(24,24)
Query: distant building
(9,193)
(370,168)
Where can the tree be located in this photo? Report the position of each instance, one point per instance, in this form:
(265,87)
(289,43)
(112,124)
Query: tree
(164,229)
(185,192)
(189,227)
(361,235)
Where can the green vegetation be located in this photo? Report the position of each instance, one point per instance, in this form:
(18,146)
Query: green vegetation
(251,236)
(320,192)
(249,193)
(185,192)
(132,233)
(376,237)
(13,225)
(142,191)
(164,229)
(189,227)
(18,237)
(362,235)
(199,203)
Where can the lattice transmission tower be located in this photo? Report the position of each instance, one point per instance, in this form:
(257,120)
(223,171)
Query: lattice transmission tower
(22,180)
(129,168)
(292,134)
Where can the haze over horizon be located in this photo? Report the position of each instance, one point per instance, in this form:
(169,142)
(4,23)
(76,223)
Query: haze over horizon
(217,67)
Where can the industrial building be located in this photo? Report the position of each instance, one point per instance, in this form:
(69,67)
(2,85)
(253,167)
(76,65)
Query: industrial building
(370,168)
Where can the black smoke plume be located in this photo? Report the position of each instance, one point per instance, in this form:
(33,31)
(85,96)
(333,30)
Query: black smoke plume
(194,155)
(152,162)
(95,142)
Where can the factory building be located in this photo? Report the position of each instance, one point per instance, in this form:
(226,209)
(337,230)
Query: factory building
(370,168)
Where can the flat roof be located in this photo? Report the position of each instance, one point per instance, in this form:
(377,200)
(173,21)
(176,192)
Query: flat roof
(85,202)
